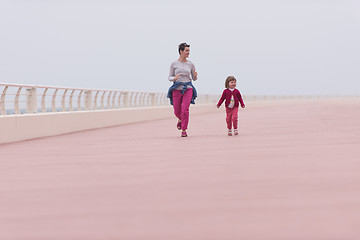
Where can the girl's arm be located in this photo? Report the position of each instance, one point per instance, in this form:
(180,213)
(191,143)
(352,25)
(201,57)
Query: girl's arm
(241,100)
(221,99)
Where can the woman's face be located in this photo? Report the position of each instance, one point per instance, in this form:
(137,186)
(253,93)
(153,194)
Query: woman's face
(185,53)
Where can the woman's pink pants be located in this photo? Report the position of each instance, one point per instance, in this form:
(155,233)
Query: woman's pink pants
(181,103)
(232,117)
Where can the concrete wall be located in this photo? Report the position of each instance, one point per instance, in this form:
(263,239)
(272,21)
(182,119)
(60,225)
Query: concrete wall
(15,128)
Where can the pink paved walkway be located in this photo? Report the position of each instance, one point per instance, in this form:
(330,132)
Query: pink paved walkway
(293,173)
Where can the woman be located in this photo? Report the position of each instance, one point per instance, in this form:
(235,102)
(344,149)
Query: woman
(182,92)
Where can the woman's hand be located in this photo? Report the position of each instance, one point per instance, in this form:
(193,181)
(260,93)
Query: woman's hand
(177,76)
(195,74)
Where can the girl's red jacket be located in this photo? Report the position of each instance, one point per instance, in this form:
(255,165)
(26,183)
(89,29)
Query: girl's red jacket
(226,95)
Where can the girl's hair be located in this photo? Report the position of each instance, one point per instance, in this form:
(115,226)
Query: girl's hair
(182,46)
(228,79)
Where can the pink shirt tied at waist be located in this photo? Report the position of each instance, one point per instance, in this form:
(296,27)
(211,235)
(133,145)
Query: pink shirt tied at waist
(227,94)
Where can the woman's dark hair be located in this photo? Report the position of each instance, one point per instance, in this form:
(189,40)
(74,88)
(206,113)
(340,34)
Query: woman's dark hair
(228,79)
(182,46)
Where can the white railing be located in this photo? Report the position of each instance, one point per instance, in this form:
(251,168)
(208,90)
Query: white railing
(21,99)
(295,97)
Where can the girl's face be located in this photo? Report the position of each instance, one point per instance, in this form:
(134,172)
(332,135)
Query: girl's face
(232,84)
(185,53)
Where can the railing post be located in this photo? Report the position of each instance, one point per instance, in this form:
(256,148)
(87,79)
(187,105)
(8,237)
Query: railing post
(53,101)
(63,105)
(31,100)
(153,99)
(134,102)
(95,100)
(16,102)
(126,99)
(2,101)
(119,99)
(71,100)
(43,100)
(102,100)
(113,100)
(79,101)
(141,99)
(163,99)
(108,100)
(88,98)
(147,99)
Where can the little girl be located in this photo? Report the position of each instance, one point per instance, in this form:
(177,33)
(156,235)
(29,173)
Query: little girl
(232,98)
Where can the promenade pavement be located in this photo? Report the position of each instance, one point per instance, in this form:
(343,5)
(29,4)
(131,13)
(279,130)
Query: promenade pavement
(292,173)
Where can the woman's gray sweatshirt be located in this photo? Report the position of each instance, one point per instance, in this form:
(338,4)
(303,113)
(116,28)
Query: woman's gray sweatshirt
(185,69)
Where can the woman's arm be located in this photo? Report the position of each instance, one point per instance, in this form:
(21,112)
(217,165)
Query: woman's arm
(193,73)
(172,76)
(172,73)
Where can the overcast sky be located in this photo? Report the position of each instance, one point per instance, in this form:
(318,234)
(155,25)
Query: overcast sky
(270,46)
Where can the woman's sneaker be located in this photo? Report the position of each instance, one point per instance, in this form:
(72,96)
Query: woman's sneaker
(183,134)
(178,125)
(229,132)
(236,132)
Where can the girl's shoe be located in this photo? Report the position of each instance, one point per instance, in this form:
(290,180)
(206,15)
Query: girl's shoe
(229,132)
(236,132)
(178,125)
(183,134)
